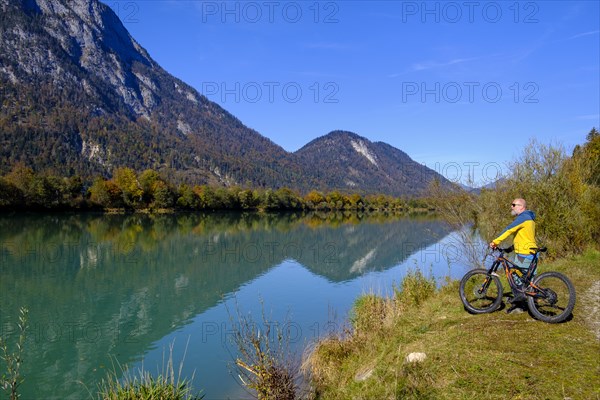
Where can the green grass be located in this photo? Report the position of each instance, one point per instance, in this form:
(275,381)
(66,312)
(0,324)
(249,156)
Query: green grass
(491,356)
(142,385)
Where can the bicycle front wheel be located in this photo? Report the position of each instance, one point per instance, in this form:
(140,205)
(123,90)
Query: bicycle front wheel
(554,297)
(480,292)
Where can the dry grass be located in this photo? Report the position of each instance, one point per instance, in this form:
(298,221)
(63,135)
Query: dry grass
(265,364)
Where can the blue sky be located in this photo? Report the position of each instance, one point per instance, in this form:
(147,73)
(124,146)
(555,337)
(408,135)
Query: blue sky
(459,85)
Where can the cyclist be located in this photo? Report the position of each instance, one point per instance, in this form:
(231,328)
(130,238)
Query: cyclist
(523,229)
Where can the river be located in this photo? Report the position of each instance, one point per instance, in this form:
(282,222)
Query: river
(104,291)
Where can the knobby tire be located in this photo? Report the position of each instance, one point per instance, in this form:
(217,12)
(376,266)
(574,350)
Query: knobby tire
(480,303)
(558,301)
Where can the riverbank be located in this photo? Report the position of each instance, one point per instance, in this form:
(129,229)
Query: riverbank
(467,356)
(121,288)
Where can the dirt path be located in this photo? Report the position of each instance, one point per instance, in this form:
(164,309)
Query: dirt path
(590,301)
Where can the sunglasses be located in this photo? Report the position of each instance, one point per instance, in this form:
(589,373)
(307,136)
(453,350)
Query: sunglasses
(514,205)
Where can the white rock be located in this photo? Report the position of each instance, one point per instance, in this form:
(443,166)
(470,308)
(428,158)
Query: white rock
(415,357)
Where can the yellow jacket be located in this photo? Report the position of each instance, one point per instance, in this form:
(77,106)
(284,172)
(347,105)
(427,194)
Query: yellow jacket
(523,227)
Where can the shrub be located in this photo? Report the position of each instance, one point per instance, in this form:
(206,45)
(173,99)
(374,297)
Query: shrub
(414,289)
(265,364)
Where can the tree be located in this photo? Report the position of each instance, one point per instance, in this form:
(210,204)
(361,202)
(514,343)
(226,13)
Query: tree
(287,199)
(49,190)
(335,200)
(73,186)
(226,200)
(593,134)
(105,193)
(187,198)
(583,170)
(10,195)
(126,180)
(591,155)
(207,197)
(163,195)
(354,201)
(247,199)
(270,201)
(21,177)
(148,182)
(314,198)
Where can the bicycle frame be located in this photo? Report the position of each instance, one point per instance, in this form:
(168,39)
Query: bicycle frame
(509,266)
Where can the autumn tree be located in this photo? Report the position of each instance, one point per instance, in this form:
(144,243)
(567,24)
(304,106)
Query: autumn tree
(126,180)
(105,193)
(248,199)
(313,199)
(148,181)
(22,177)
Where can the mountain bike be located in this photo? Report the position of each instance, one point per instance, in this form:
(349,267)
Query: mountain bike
(550,295)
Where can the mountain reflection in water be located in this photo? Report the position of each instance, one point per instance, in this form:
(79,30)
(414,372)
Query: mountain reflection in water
(121,286)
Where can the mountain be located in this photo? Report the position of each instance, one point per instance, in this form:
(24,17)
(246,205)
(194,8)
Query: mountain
(346,161)
(80,96)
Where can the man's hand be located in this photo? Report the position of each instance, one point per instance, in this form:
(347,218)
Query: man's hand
(493,245)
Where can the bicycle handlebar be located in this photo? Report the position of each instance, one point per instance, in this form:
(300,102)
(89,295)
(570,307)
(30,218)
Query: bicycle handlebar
(512,248)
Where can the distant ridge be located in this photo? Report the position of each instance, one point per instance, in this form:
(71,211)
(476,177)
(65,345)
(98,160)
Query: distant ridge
(81,97)
(346,161)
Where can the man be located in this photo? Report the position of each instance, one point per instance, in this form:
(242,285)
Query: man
(523,228)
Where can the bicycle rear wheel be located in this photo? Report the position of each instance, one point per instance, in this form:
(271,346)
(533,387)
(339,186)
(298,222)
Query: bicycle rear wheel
(480,292)
(554,301)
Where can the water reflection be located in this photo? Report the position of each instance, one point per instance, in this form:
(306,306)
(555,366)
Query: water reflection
(100,285)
